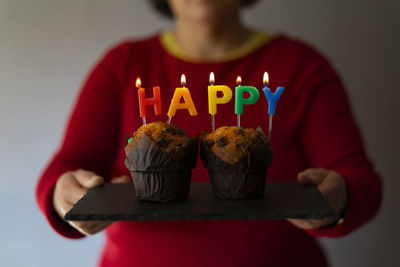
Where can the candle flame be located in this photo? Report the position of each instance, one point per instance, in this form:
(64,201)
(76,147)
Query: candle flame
(138,83)
(239,80)
(183,80)
(212,78)
(266,78)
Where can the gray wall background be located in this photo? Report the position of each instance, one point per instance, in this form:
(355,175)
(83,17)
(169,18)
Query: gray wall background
(47,47)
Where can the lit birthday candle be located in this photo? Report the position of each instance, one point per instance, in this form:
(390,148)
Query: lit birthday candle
(151,101)
(240,101)
(213,99)
(181,92)
(272,99)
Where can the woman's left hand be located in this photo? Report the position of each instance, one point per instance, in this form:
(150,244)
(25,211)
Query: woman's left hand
(332,186)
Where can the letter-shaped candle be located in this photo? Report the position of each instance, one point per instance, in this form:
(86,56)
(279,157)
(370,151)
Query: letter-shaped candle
(181,92)
(213,99)
(272,99)
(240,101)
(144,102)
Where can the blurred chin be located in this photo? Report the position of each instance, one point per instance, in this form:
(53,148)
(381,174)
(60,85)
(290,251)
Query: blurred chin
(204,13)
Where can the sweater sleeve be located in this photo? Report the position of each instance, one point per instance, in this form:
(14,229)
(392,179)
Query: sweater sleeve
(331,140)
(93,120)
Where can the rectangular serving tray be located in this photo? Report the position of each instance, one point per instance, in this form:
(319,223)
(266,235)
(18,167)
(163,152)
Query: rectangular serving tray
(283,199)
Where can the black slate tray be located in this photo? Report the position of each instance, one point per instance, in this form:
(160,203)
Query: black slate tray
(287,199)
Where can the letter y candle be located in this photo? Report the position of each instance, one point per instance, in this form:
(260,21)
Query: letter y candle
(272,99)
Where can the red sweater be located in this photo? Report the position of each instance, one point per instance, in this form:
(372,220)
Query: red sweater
(313,127)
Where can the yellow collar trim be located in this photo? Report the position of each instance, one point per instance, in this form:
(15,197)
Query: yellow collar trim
(255,41)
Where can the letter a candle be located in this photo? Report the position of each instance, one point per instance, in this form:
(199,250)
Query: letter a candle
(240,101)
(272,99)
(213,99)
(181,92)
(153,101)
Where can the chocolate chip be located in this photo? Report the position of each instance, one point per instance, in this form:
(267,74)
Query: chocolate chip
(187,143)
(259,136)
(174,152)
(245,146)
(169,130)
(163,142)
(209,143)
(239,132)
(179,132)
(222,142)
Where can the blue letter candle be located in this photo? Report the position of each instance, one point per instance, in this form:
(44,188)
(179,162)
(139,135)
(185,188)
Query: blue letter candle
(272,98)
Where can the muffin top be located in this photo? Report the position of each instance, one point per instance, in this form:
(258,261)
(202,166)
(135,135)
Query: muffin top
(168,137)
(232,143)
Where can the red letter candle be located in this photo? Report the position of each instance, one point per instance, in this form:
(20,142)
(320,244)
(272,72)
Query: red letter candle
(144,102)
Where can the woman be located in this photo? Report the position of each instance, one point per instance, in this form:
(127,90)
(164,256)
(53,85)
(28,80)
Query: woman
(315,139)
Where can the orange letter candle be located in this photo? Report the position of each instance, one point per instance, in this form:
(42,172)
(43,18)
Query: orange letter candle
(181,92)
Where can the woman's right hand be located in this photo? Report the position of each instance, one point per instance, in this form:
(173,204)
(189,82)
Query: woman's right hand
(71,187)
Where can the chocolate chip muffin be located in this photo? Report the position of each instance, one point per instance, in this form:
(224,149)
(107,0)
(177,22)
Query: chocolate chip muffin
(237,160)
(160,158)
(231,143)
(169,138)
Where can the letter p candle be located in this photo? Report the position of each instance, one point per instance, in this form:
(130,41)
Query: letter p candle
(240,101)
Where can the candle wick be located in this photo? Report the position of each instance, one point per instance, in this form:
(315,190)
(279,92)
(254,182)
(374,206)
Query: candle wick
(213,123)
(270,127)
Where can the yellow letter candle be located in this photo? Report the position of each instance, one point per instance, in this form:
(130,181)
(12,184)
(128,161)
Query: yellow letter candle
(213,99)
(181,92)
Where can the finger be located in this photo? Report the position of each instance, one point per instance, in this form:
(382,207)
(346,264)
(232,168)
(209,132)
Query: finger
(308,224)
(88,179)
(302,224)
(70,190)
(62,208)
(89,227)
(121,179)
(334,189)
(99,227)
(312,176)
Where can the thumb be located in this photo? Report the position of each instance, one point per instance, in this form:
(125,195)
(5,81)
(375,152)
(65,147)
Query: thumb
(312,176)
(88,179)
(121,179)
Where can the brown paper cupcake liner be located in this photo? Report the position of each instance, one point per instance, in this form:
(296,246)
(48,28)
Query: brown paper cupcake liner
(238,185)
(162,186)
(242,180)
(161,176)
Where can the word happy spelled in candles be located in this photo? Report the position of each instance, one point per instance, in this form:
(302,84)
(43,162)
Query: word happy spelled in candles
(213,99)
